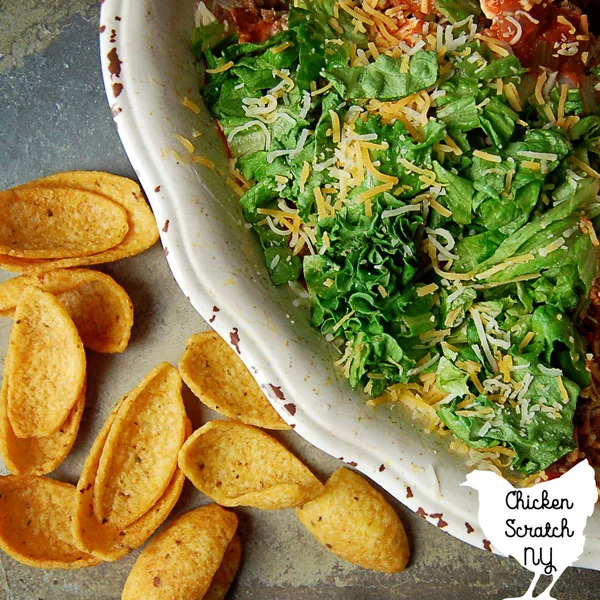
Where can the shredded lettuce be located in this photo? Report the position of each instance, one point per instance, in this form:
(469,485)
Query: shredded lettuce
(371,163)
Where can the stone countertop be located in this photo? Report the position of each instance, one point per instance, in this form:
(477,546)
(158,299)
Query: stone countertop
(55,117)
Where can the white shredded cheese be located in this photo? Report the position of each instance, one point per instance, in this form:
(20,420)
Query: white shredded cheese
(394,212)
(483,338)
(550,371)
(518,30)
(249,125)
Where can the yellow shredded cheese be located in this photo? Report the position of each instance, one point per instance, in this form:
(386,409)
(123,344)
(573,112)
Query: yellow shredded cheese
(445,274)
(224,67)
(526,341)
(185,143)
(588,228)
(531,164)
(562,388)
(404,65)
(356,13)
(475,379)
(191,105)
(334,23)
(539,86)
(370,193)
(235,186)
(563,20)
(584,167)
(304,175)
(342,321)
(372,170)
(487,156)
(373,48)
(282,47)
(335,126)
(452,316)
(549,113)
(425,290)
(562,101)
(510,91)
(321,211)
(322,90)
(439,208)
(286,78)
(504,366)
(202,160)
(382,291)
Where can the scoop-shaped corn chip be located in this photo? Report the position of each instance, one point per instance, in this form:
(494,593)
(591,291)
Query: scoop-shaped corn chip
(35,523)
(240,465)
(45,365)
(38,455)
(181,561)
(142,232)
(216,375)
(101,538)
(226,572)
(100,308)
(43,222)
(140,454)
(353,520)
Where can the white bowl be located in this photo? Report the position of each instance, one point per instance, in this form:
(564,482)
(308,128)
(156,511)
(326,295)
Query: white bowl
(148,69)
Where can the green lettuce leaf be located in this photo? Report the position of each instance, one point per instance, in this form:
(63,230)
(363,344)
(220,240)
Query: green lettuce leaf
(383,78)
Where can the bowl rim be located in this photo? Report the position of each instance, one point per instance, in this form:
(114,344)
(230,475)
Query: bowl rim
(458,519)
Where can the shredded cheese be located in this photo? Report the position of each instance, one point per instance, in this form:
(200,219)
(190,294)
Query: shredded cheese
(335,126)
(518,30)
(530,164)
(504,366)
(563,21)
(190,105)
(539,87)
(304,176)
(373,48)
(282,47)
(223,67)
(526,341)
(487,156)
(439,208)
(185,143)
(510,91)
(372,170)
(562,101)
(584,167)
(552,247)
(588,228)
(483,339)
(203,161)
(425,290)
(335,25)
(355,12)
(404,65)
(321,90)
(563,390)
(342,321)
(370,193)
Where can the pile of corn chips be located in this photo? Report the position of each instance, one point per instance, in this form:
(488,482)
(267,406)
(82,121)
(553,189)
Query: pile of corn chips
(137,465)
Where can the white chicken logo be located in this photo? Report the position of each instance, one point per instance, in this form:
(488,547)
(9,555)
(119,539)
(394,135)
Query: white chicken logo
(542,526)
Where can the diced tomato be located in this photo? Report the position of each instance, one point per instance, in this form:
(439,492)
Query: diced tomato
(253,26)
(552,36)
(493,8)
